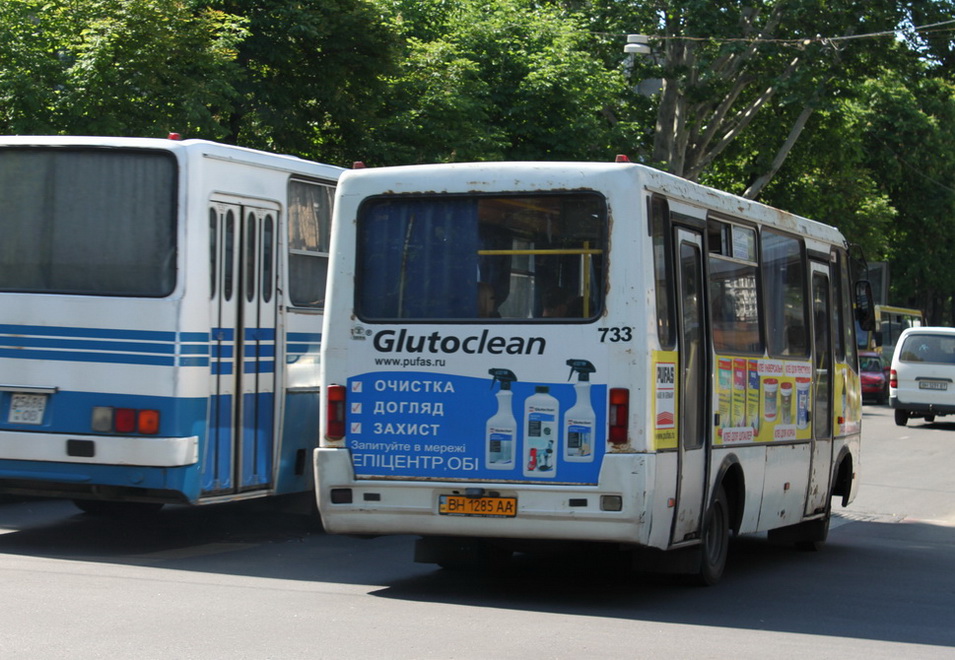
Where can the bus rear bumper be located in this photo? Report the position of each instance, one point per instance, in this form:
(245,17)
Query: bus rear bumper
(143,451)
(615,510)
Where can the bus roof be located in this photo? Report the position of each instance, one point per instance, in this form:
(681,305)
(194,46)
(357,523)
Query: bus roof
(205,147)
(518,176)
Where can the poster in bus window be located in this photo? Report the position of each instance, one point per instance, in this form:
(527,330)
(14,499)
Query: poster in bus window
(762,400)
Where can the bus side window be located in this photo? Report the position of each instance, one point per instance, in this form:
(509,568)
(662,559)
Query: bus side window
(784,294)
(661,272)
(309,225)
(734,303)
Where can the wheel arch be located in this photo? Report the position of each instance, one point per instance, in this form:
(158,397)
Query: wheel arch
(843,475)
(730,476)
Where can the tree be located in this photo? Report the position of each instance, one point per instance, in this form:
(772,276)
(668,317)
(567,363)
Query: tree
(115,67)
(724,66)
(299,76)
(910,144)
(495,79)
(311,72)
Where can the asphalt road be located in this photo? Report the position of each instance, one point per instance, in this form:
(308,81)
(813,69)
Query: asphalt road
(255,580)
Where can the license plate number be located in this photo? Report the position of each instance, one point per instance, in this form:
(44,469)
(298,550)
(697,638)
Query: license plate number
(26,408)
(489,507)
(932,385)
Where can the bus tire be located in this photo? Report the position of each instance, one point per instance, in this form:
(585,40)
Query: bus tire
(901,417)
(715,541)
(929,419)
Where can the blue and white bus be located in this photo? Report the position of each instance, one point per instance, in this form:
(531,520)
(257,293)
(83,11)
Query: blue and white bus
(603,352)
(161,307)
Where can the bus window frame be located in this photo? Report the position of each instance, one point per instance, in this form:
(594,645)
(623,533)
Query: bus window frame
(313,256)
(660,224)
(756,264)
(172,270)
(804,260)
(603,249)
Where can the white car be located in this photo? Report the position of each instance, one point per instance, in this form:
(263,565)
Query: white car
(922,379)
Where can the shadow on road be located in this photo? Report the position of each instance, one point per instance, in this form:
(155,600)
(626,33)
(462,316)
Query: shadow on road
(889,581)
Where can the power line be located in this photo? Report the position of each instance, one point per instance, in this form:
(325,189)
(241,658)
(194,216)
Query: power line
(804,41)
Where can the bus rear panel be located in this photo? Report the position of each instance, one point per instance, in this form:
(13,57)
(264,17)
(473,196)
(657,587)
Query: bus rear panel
(150,345)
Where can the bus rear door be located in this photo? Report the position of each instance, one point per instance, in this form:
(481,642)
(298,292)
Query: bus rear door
(238,453)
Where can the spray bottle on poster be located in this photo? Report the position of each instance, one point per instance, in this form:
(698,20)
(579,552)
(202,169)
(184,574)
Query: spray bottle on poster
(580,420)
(501,428)
(540,434)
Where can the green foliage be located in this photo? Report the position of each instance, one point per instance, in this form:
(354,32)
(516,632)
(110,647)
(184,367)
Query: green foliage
(286,75)
(311,71)
(502,79)
(115,67)
(28,68)
(910,144)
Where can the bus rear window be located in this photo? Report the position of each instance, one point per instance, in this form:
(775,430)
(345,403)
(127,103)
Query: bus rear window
(504,257)
(88,221)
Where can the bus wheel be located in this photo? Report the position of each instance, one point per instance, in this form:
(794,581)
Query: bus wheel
(110,509)
(901,417)
(715,543)
(929,419)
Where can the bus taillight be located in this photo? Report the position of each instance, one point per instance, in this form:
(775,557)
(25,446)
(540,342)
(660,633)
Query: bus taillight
(893,379)
(335,412)
(619,415)
(148,422)
(125,420)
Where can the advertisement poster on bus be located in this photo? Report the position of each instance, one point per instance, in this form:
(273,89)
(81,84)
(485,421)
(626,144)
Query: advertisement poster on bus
(490,409)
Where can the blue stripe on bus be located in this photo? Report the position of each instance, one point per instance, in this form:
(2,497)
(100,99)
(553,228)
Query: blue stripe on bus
(86,344)
(76,356)
(94,333)
(259,350)
(221,368)
(259,334)
(218,352)
(70,344)
(315,337)
(302,343)
(258,367)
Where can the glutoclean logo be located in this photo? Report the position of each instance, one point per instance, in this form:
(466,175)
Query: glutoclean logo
(402,341)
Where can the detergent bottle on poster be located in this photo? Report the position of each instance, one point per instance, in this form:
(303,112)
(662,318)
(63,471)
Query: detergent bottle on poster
(540,433)
(501,430)
(580,420)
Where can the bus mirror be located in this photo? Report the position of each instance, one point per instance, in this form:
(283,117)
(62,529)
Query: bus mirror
(865,307)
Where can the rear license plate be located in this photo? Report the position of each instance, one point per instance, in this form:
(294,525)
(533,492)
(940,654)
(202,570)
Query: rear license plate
(489,507)
(932,385)
(26,408)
